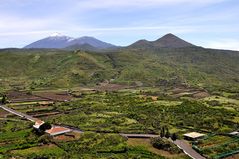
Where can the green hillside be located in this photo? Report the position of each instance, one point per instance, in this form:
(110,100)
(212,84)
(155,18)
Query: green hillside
(45,68)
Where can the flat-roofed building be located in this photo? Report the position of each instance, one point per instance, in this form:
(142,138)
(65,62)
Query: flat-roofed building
(234,133)
(193,136)
(38,123)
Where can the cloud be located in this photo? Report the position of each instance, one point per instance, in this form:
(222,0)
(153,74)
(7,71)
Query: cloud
(123,21)
(227,44)
(104,4)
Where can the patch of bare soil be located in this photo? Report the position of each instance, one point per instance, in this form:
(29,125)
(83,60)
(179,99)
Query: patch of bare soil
(54,96)
(3,113)
(190,92)
(22,96)
(233,157)
(67,137)
(110,87)
(201,95)
(45,114)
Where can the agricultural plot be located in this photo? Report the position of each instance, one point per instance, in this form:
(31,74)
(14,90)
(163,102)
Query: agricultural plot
(36,104)
(45,150)
(107,113)
(54,96)
(145,143)
(3,113)
(218,146)
(16,135)
(94,145)
(130,113)
(23,96)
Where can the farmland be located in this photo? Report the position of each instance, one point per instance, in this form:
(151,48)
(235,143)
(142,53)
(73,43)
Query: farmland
(103,114)
(217,146)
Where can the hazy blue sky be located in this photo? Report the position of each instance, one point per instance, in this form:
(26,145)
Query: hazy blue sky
(208,23)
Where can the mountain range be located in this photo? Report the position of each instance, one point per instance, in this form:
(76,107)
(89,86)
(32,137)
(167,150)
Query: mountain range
(92,44)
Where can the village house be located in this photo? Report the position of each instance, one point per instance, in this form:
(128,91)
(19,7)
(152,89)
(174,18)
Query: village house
(193,136)
(234,133)
(38,123)
(57,130)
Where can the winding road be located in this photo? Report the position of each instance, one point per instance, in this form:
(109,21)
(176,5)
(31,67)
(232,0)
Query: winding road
(22,115)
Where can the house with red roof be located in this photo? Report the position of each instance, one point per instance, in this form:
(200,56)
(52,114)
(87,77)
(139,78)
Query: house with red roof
(57,130)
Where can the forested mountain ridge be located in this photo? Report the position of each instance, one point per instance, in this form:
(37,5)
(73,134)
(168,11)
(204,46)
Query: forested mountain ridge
(151,66)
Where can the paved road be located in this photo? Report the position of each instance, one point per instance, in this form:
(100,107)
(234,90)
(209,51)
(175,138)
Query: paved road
(188,150)
(139,135)
(28,117)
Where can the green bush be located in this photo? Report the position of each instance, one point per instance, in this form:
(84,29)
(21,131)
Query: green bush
(164,144)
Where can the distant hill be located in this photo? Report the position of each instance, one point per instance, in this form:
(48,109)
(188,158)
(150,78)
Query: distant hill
(83,47)
(168,61)
(167,41)
(92,41)
(168,67)
(58,41)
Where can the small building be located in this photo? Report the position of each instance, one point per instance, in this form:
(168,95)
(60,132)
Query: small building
(234,133)
(57,130)
(193,136)
(38,123)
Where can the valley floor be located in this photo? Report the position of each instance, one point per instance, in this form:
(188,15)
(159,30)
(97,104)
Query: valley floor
(102,113)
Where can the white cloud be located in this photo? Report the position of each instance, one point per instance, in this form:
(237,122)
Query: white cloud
(109,4)
(227,44)
(10,23)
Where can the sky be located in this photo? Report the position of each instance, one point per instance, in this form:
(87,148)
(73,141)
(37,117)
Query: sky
(207,23)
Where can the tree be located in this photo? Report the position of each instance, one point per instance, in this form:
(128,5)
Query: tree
(165,144)
(162,132)
(174,137)
(167,134)
(45,126)
(4,99)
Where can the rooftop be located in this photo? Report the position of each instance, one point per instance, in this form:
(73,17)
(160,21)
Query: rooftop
(56,130)
(194,135)
(38,123)
(234,133)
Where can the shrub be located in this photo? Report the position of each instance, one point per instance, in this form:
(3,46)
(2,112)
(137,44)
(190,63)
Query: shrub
(164,144)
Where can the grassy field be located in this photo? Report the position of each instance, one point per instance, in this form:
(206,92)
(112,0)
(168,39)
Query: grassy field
(46,150)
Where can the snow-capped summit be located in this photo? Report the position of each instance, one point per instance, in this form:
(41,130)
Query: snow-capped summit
(60,36)
(56,34)
(58,40)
